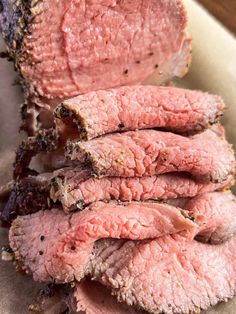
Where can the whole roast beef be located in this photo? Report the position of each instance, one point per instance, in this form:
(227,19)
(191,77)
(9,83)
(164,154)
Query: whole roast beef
(65,48)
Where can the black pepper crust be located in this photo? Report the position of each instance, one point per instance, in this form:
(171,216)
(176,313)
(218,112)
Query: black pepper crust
(69,118)
(44,141)
(15,19)
(27,196)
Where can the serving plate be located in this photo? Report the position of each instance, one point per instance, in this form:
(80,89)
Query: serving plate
(213,70)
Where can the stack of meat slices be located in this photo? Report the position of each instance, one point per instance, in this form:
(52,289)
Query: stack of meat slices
(127,200)
(141,210)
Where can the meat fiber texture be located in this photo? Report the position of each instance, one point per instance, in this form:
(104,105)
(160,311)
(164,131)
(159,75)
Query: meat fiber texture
(156,275)
(167,275)
(206,156)
(138,107)
(100,220)
(66,48)
(102,112)
(63,244)
(59,58)
(75,188)
(93,297)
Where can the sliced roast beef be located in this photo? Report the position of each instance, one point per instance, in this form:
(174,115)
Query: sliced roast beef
(167,275)
(64,48)
(88,297)
(139,107)
(75,188)
(74,235)
(93,298)
(48,145)
(205,156)
(220,208)
(170,274)
(64,244)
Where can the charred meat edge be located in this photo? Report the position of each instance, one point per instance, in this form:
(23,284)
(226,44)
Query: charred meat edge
(46,140)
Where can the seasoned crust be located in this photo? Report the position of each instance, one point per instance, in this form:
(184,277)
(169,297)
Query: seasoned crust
(44,141)
(28,195)
(15,18)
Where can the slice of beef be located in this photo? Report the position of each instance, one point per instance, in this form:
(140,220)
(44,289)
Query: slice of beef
(74,235)
(205,156)
(139,107)
(28,195)
(220,208)
(64,244)
(49,148)
(90,297)
(166,275)
(64,48)
(75,188)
